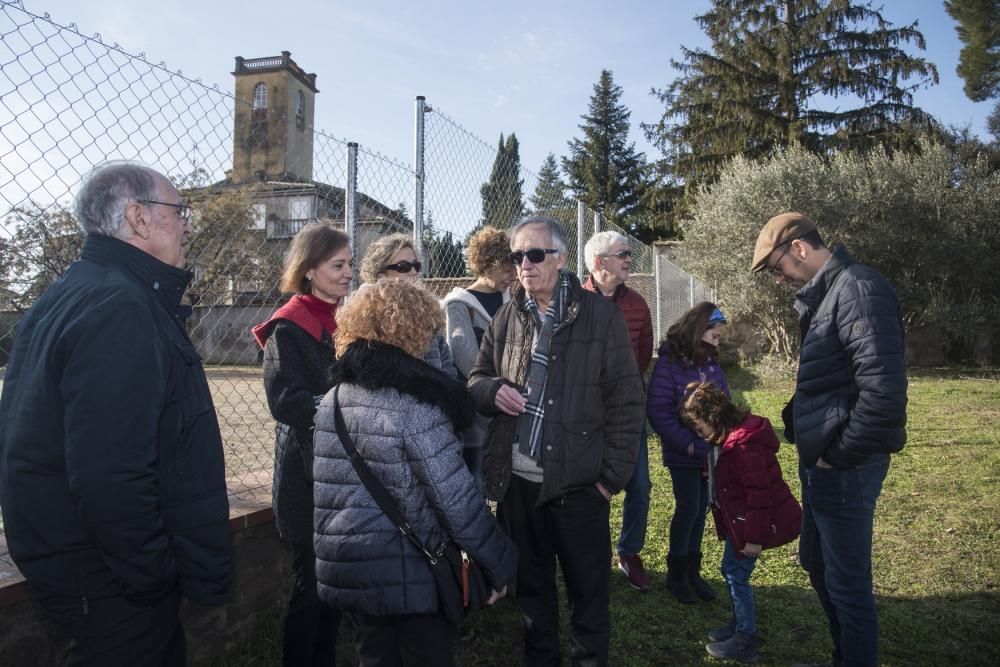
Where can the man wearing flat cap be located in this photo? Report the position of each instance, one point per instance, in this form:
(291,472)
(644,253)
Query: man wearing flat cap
(848,414)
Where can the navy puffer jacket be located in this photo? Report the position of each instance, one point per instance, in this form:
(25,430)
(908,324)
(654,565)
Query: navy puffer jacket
(850,398)
(402,415)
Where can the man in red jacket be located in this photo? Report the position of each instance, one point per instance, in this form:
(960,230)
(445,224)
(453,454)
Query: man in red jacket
(609,261)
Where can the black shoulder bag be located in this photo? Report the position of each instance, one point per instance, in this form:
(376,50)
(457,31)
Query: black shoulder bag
(460,584)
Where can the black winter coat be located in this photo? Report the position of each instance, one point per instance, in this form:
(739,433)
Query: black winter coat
(850,398)
(296,371)
(594,399)
(112,476)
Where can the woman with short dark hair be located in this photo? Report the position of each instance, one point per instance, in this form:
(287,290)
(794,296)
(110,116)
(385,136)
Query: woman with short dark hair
(689,354)
(298,359)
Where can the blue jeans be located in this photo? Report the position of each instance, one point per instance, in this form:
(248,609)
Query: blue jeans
(736,572)
(835,548)
(687,526)
(635,509)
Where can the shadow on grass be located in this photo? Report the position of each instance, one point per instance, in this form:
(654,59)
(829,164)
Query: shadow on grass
(652,629)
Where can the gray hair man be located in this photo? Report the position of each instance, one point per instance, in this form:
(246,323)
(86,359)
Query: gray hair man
(112,478)
(556,372)
(848,414)
(609,261)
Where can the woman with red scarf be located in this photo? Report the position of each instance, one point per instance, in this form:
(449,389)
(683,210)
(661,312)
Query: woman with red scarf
(298,359)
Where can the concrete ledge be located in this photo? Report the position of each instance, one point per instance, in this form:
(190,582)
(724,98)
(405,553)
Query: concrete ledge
(263,569)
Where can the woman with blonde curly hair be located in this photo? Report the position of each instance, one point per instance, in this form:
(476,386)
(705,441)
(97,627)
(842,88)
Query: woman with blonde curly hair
(393,257)
(402,416)
(468,311)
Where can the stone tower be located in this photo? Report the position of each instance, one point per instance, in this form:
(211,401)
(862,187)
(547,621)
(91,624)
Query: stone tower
(272,132)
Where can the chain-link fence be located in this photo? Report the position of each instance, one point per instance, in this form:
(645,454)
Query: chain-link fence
(255,170)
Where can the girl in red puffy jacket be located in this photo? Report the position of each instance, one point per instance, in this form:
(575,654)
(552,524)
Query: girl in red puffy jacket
(752,505)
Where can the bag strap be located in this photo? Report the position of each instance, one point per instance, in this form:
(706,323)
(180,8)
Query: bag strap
(374,486)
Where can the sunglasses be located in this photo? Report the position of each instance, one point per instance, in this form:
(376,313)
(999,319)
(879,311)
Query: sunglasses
(404,267)
(621,254)
(535,255)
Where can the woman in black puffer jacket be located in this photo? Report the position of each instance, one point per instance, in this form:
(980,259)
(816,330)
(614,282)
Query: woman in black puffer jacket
(403,416)
(298,361)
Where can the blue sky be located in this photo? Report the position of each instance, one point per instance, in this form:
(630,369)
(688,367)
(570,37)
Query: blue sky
(526,67)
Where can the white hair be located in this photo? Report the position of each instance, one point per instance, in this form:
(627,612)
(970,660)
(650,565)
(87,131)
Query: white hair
(556,232)
(600,244)
(107,190)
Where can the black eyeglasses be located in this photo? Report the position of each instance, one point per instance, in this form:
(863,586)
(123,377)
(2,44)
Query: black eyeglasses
(404,267)
(183,210)
(534,255)
(773,269)
(621,254)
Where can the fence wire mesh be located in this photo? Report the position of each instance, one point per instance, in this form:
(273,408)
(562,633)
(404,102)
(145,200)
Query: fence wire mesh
(255,171)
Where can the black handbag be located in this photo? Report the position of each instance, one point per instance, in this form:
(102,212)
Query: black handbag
(460,583)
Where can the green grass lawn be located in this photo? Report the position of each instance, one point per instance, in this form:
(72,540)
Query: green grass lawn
(936,560)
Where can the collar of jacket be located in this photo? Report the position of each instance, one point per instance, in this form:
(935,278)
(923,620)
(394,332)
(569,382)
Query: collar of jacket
(814,291)
(518,295)
(166,282)
(374,365)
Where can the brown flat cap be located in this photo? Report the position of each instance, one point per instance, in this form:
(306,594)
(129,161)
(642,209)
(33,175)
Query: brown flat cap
(778,230)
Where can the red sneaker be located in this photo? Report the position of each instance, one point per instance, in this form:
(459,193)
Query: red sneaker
(631,565)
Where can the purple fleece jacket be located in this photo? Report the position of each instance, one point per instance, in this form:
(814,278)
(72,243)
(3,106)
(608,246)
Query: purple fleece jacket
(666,390)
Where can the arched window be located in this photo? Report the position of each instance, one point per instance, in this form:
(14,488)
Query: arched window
(260,96)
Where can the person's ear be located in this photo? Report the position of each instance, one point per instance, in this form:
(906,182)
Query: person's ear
(137,219)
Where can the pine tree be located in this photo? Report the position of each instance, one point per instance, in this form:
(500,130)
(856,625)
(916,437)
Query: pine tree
(503,202)
(979,63)
(550,191)
(979,29)
(777,74)
(603,168)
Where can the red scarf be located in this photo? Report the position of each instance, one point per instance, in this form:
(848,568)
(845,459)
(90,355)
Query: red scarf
(307,311)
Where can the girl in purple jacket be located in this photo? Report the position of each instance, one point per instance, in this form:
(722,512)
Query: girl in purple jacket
(689,354)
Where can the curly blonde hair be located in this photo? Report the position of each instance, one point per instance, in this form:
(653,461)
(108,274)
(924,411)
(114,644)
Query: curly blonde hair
(380,252)
(487,249)
(401,313)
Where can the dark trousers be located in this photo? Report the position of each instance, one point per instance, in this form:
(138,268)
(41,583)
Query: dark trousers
(117,633)
(835,548)
(687,526)
(575,530)
(310,632)
(411,640)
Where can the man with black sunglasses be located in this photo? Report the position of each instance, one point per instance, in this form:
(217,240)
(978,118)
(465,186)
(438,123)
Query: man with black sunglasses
(609,261)
(848,414)
(557,373)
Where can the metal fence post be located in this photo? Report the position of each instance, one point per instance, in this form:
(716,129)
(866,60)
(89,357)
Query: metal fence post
(597,222)
(691,290)
(351,206)
(418,180)
(581,212)
(657,293)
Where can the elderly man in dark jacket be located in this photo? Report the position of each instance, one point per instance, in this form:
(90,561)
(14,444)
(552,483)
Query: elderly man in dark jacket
(556,369)
(112,477)
(847,416)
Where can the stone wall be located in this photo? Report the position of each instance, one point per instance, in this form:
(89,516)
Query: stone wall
(261,584)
